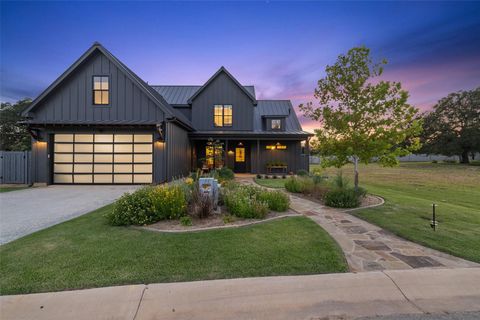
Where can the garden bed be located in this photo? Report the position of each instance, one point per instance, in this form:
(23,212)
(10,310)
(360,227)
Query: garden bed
(368,201)
(215,221)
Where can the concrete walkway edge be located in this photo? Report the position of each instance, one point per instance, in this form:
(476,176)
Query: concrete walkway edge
(327,296)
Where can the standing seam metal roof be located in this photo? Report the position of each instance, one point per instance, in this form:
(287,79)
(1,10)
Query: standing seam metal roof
(179,95)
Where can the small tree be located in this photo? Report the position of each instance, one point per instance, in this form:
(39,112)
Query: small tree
(453,126)
(13,136)
(360,119)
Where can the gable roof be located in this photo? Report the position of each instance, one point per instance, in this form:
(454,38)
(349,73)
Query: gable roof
(216,74)
(154,95)
(179,95)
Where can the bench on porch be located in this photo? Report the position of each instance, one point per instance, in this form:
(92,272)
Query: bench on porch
(271,169)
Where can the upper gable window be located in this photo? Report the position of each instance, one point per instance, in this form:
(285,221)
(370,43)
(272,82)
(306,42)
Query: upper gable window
(276,124)
(101,90)
(222,115)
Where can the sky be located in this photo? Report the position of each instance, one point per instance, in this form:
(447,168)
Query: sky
(432,48)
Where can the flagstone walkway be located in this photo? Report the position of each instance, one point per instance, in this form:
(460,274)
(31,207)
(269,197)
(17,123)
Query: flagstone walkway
(368,247)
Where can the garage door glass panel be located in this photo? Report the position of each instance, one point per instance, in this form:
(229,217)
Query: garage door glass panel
(123,138)
(142,178)
(63,157)
(123,168)
(104,158)
(63,178)
(123,158)
(103,178)
(61,168)
(82,168)
(82,178)
(64,138)
(142,158)
(82,158)
(143,138)
(83,147)
(104,138)
(103,168)
(123,148)
(103,148)
(142,168)
(62,147)
(122,178)
(147,148)
(84,138)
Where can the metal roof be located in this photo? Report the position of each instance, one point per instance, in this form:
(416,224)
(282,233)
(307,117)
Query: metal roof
(277,108)
(179,95)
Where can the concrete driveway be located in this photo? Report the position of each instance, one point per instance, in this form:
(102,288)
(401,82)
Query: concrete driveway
(25,211)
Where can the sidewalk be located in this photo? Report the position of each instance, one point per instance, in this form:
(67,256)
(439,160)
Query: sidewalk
(329,296)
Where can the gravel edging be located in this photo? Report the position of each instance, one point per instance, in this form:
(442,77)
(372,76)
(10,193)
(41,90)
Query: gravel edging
(382,202)
(218,227)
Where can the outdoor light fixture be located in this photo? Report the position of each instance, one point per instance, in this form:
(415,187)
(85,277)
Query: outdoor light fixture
(434,222)
(161,132)
(230,152)
(240,144)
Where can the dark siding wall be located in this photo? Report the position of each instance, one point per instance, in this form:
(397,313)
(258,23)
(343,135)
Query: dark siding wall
(292,156)
(73,99)
(40,161)
(187,112)
(222,90)
(178,151)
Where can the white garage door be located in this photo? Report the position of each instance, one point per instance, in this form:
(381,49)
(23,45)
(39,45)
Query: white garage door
(103,158)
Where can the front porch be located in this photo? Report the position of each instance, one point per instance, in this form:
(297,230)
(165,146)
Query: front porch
(256,156)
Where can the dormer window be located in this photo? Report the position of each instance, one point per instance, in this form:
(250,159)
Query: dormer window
(222,115)
(276,124)
(100,90)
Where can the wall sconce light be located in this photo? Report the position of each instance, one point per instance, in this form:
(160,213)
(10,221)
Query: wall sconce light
(230,152)
(160,136)
(240,144)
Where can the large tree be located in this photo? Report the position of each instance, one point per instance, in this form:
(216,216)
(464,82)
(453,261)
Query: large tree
(361,118)
(453,126)
(13,136)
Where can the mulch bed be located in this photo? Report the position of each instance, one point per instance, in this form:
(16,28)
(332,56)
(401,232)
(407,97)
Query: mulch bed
(214,221)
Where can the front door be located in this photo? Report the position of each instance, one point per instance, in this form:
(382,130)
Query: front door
(240,159)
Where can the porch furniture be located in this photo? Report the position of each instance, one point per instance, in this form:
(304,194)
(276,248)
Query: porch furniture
(271,169)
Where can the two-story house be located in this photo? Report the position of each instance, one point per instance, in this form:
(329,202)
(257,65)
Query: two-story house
(100,123)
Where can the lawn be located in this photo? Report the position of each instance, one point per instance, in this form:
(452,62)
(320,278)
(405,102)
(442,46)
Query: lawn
(409,191)
(271,183)
(86,252)
(8,189)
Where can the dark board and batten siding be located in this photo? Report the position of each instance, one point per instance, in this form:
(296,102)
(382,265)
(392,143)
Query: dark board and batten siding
(222,90)
(72,101)
(291,156)
(178,155)
(15,167)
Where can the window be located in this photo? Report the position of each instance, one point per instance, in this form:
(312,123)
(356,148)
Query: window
(240,154)
(276,124)
(100,90)
(222,115)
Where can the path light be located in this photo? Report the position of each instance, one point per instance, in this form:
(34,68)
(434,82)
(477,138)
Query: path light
(434,222)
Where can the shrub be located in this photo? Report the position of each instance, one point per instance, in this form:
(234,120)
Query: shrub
(284,177)
(224,174)
(267,176)
(302,173)
(259,176)
(475,163)
(276,200)
(299,185)
(450,161)
(342,198)
(201,204)
(186,221)
(339,181)
(243,202)
(228,218)
(274,177)
(434,161)
(133,208)
(168,201)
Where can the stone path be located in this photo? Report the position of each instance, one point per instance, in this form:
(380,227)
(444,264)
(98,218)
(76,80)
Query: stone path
(368,247)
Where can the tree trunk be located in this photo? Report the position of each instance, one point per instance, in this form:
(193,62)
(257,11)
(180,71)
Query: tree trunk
(464,157)
(355,169)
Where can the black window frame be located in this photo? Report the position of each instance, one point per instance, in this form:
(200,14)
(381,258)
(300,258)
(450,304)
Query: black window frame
(276,129)
(223,116)
(101,90)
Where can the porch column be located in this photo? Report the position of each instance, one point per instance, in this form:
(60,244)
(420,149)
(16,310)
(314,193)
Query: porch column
(258,156)
(226,153)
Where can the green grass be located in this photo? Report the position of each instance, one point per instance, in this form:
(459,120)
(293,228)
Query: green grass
(86,252)
(271,183)
(8,189)
(409,191)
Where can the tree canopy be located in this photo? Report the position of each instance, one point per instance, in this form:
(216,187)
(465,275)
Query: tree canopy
(13,136)
(453,126)
(361,117)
